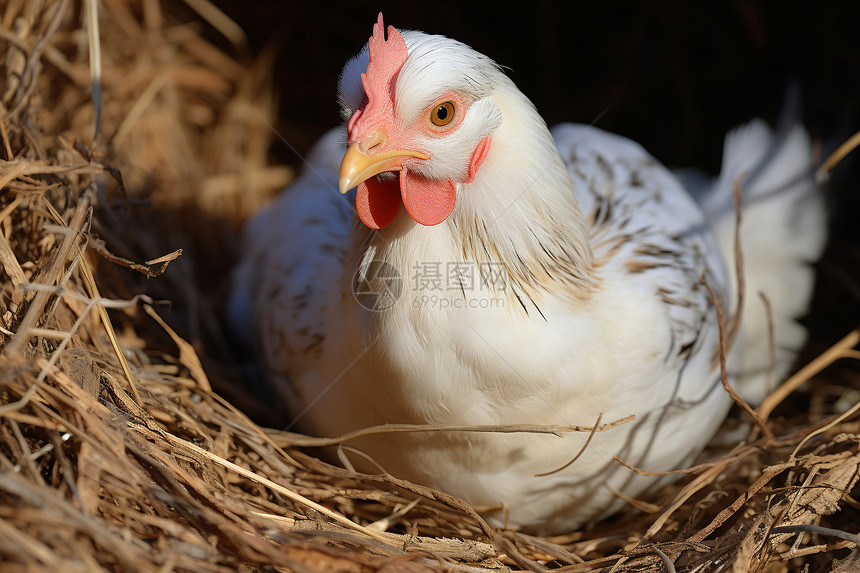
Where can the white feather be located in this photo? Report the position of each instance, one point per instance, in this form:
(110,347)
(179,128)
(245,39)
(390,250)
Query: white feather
(783,231)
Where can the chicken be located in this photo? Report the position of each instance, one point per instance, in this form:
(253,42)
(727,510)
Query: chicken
(487,271)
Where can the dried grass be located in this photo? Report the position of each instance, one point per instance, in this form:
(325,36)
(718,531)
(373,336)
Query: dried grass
(117,455)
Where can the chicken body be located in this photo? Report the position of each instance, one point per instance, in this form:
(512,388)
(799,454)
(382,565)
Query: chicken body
(566,282)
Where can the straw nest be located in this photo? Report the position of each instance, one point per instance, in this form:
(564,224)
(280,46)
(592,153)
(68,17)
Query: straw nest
(117,455)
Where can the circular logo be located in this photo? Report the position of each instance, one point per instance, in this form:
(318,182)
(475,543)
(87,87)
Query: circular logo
(377,285)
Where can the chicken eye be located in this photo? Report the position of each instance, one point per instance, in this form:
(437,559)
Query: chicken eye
(442,114)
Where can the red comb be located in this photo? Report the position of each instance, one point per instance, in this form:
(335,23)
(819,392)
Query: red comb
(386,59)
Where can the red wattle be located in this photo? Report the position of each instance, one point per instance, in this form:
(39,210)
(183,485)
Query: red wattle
(377,202)
(429,202)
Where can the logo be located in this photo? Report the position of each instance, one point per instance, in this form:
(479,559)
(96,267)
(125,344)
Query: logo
(377,286)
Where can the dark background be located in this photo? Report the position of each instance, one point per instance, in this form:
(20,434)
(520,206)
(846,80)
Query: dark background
(674,76)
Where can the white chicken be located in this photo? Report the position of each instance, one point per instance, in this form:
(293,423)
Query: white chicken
(500,274)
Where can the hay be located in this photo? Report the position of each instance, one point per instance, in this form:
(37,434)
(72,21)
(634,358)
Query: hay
(117,455)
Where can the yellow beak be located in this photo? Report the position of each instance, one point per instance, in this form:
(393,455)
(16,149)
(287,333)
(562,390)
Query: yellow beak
(357,166)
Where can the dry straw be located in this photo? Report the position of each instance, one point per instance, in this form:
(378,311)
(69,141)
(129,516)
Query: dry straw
(115,452)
